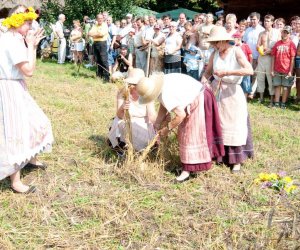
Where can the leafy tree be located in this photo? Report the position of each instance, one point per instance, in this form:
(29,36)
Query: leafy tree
(196,5)
(77,9)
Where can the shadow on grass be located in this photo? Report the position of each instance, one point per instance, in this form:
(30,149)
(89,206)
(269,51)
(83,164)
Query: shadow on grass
(5,183)
(103,149)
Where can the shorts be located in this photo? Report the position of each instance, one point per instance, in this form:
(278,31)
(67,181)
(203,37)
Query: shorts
(79,46)
(280,80)
(246,84)
(297,62)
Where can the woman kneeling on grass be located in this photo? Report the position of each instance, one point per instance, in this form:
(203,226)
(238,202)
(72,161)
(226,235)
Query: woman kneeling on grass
(196,116)
(25,130)
(142,117)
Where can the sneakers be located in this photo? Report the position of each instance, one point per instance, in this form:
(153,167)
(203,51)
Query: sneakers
(88,65)
(283,105)
(260,101)
(276,105)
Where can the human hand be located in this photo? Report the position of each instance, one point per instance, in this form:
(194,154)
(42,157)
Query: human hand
(126,105)
(221,73)
(272,73)
(34,37)
(289,74)
(163,132)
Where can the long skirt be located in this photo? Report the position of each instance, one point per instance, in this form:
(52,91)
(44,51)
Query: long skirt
(25,130)
(201,136)
(172,64)
(238,154)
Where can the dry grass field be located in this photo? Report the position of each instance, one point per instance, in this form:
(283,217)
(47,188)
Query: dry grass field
(88,199)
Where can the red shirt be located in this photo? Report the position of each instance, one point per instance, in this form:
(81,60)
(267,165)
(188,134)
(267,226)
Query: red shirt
(247,51)
(283,53)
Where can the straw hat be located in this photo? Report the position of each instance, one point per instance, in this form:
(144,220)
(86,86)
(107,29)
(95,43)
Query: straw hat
(218,33)
(149,88)
(134,75)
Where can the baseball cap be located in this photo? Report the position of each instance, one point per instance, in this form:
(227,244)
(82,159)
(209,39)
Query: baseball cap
(129,15)
(156,26)
(123,46)
(287,28)
(193,48)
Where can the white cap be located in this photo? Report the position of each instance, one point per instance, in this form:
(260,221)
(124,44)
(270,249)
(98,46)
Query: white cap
(129,15)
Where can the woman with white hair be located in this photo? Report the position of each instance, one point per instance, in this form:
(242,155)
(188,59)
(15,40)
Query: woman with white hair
(173,44)
(231,24)
(228,65)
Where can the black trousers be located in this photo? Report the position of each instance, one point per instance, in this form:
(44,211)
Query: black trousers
(101,56)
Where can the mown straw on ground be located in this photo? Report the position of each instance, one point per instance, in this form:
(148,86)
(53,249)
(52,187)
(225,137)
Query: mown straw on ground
(89,199)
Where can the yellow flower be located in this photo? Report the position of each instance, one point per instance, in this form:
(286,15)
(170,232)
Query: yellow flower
(264,176)
(273,176)
(290,189)
(287,179)
(17,20)
(257,180)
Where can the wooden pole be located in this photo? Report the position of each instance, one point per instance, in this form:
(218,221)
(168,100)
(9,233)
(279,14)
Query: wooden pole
(148,59)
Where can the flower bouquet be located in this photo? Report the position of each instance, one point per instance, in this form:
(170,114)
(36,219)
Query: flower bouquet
(279,182)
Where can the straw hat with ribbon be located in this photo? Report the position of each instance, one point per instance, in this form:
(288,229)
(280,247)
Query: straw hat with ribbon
(149,88)
(218,33)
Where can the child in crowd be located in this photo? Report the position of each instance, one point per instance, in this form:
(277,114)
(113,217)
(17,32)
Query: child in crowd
(191,60)
(283,56)
(246,82)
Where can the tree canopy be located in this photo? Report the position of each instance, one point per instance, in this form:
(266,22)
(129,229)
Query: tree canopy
(77,9)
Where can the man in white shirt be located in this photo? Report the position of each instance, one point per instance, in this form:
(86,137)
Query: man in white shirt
(140,52)
(59,29)
(251,38)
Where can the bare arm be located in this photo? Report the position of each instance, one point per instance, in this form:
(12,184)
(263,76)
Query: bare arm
(272,66)
(162,112)
(151,113)
(121,105)
(209,69)
(174,123)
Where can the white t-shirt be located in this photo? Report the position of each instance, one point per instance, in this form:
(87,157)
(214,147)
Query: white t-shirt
(179,90)
(12,52)
(251,38)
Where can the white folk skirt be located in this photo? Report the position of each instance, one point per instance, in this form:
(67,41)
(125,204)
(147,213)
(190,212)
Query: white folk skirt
(25,130)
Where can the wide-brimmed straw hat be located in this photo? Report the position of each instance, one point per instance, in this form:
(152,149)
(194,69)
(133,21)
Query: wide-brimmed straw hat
(134,76)
(149,88)
(219,33)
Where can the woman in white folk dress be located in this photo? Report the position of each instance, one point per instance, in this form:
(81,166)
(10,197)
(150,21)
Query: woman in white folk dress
(25,131)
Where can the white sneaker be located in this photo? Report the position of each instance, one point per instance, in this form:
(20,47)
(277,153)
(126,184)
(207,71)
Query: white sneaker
(236,168)
(88,65)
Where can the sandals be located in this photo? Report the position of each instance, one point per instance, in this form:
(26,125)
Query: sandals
(43,166)
(32,189)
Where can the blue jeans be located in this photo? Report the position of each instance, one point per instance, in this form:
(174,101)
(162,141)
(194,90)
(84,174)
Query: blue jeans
(194,74)
(246,84)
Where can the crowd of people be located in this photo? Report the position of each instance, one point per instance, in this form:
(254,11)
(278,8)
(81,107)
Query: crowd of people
(180,46)
(202,72)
